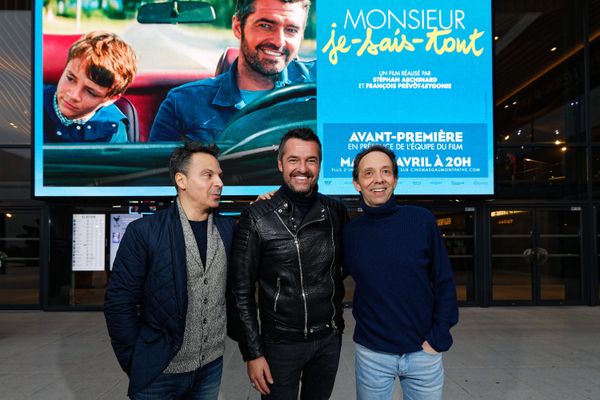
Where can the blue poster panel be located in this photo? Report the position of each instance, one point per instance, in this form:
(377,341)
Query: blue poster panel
(412,76)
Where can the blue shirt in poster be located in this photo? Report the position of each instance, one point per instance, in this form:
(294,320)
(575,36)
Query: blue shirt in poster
(200,110)
(108,124)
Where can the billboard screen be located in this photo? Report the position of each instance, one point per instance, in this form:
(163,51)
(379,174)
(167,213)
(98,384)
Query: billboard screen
(415,79)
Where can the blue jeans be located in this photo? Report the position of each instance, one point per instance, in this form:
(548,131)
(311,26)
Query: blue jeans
(421,375)
(200,384)
(314,363)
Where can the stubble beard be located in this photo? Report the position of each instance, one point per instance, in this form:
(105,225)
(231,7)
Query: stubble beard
(304,192)
(266,69)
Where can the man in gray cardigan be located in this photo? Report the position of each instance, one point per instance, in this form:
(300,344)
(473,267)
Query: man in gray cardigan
(165,302)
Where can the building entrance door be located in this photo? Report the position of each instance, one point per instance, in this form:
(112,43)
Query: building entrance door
(536,256)
(19,258)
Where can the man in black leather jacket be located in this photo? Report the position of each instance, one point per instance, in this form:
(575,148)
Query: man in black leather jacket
(291,245)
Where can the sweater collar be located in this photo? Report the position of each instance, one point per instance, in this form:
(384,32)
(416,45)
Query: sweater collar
(299,201)
(382,211)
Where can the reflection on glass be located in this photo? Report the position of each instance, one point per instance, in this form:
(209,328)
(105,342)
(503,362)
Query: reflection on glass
(15,77)
(559,222)
(540,171)
(539,72)
(538,75)
(539,92)
(594,38)
(90,287)
(595,174)
(511,278)
(536,255)
(15,167)
(19,258)
(457,228)
(560,271)
(511,246)
(598,247)
(561,278)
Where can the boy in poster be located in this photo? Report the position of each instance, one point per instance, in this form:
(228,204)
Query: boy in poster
(100,67)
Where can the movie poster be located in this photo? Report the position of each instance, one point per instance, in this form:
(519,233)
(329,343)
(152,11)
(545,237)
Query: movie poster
(415,77)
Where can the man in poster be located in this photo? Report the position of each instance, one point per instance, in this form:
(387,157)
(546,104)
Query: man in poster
(405,298)
(270,34)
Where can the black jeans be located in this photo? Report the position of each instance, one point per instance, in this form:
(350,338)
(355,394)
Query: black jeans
(315,363)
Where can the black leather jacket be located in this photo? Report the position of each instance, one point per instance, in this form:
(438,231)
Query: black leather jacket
(297,263)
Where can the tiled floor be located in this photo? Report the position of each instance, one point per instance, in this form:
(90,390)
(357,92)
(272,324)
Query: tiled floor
(499,353)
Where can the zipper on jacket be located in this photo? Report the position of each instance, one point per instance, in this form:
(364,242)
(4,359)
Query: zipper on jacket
(301,275)
(332,269)
(302,287)
(277,294)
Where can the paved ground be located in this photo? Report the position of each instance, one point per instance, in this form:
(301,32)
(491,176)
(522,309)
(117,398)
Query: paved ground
(499,353)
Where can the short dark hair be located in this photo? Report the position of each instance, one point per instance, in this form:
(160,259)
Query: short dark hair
(371,149)
(305,134)
(180,157)
(244,8)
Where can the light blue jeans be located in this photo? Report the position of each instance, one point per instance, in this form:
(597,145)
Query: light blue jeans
(421,375)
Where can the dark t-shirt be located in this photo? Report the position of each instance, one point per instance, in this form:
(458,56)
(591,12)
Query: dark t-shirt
(200,229)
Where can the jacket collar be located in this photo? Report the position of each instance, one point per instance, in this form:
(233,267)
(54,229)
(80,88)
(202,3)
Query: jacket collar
(229,94)
(293,218)
(178,257)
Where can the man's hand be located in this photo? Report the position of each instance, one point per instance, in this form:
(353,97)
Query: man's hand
(265,196)
(260,374)
(427,348)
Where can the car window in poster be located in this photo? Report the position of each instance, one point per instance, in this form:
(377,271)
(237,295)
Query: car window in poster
(413,76)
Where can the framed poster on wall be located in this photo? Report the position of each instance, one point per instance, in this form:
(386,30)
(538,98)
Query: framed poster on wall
(89,232)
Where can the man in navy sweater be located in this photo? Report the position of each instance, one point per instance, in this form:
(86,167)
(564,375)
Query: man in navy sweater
(405,298)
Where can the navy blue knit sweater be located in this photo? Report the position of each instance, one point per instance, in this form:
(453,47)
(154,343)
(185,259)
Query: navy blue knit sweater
(405,291)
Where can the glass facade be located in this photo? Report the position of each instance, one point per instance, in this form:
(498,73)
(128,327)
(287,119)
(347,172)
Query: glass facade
(536,255)
(536,241)
(15,77)
(69,288)
(19,257)
(458,230)
(540,100)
